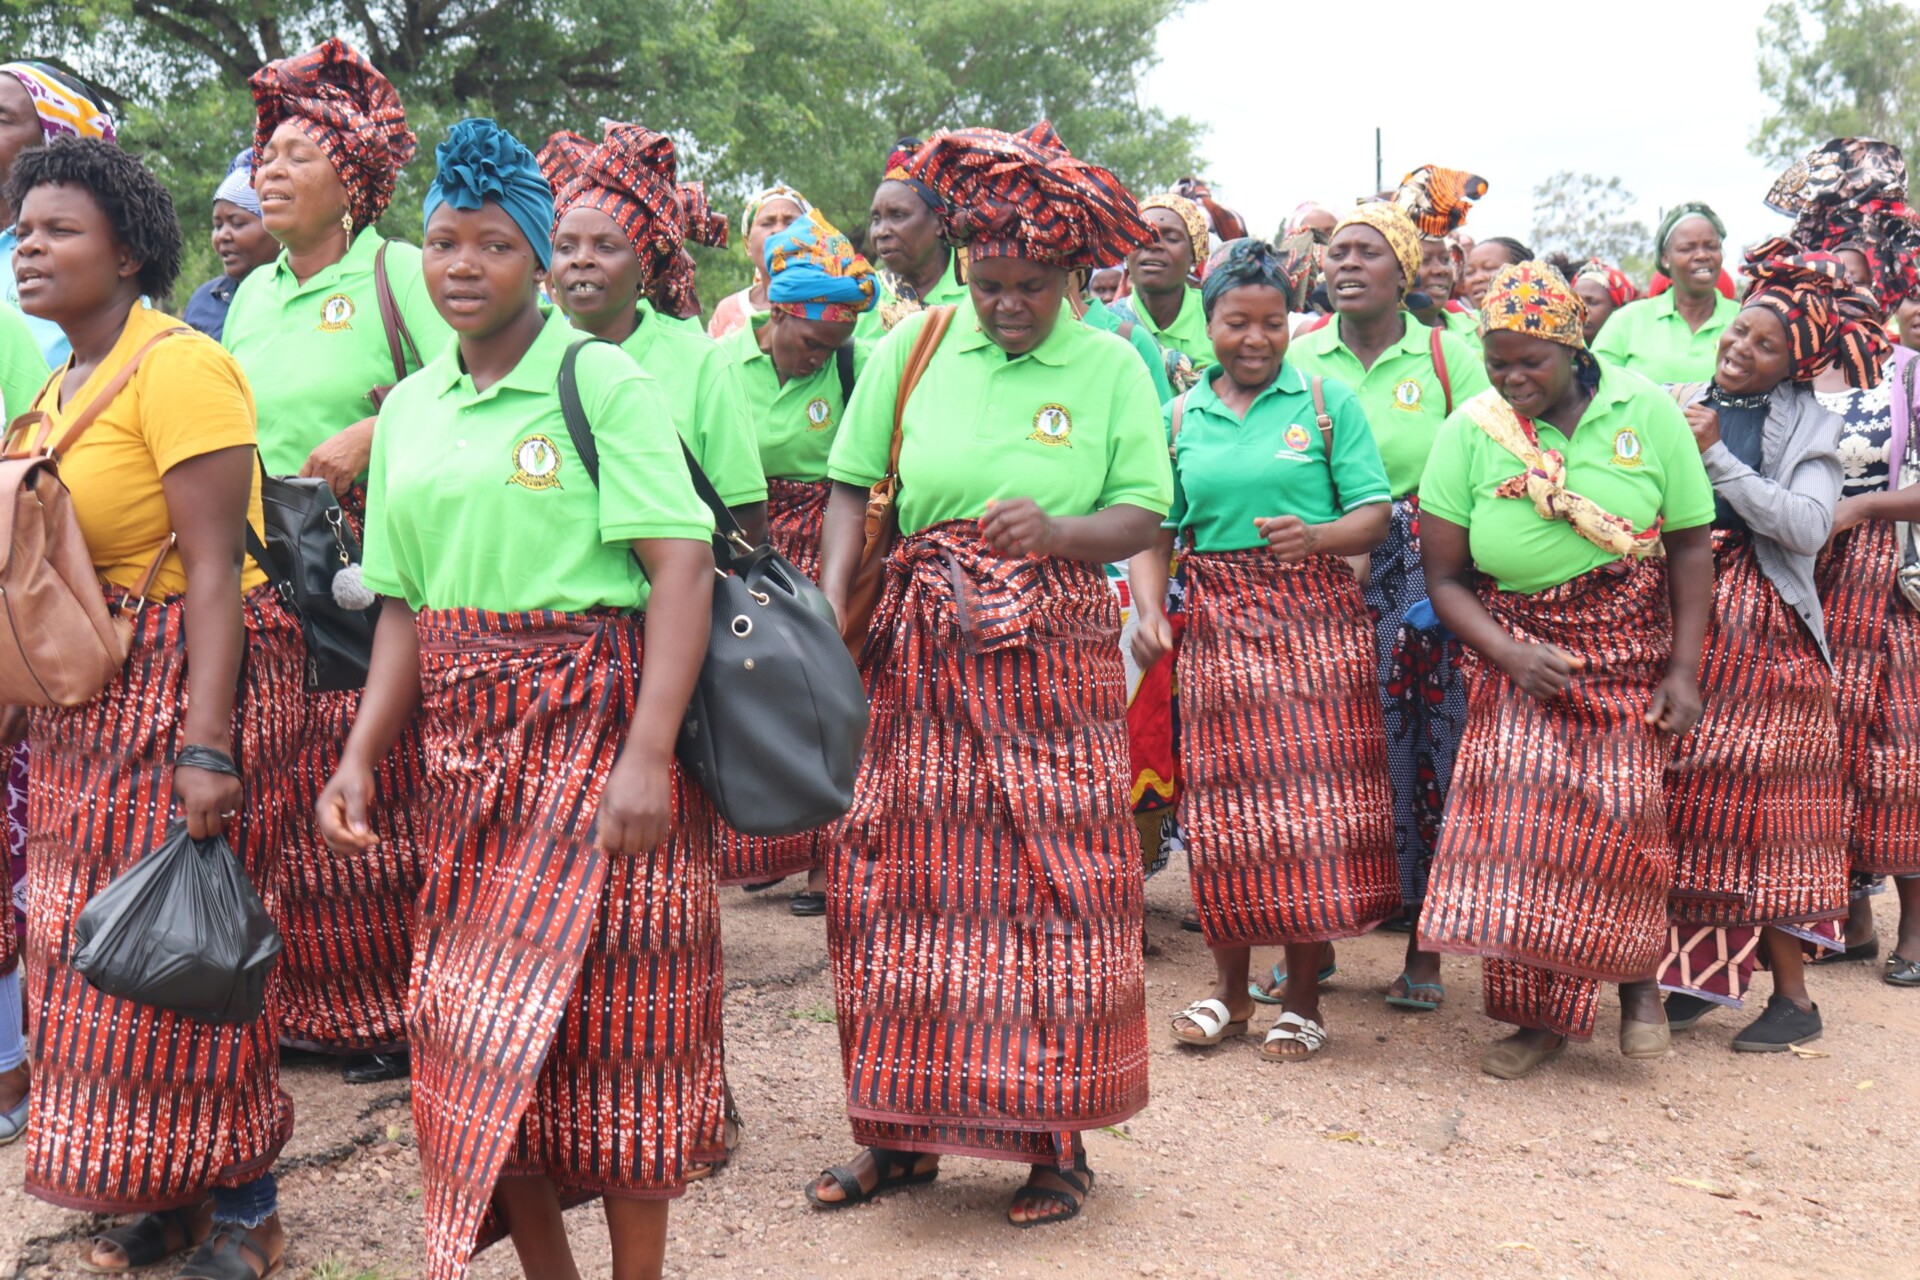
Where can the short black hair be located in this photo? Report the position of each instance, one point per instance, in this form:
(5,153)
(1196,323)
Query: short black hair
(1517,253)
(135,202)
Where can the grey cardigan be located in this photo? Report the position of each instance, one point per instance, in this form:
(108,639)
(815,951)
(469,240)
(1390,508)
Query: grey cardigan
(1788,503)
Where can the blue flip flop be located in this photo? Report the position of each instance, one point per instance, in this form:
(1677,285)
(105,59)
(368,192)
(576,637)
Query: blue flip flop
(1280,980)
(1413,1000)
(13,1123)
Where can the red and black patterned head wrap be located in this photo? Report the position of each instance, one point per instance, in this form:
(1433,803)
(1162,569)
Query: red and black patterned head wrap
(1830,323)
(334,96)
(631,177)
(1023,195)
(1851,193)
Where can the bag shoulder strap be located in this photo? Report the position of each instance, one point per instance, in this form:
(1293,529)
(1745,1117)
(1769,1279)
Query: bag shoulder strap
(391,320)
(919,356)
(1685,393)
(580,431)
(1439,354)
(1324,421)
(1173,427)
(843,365)
(97,406)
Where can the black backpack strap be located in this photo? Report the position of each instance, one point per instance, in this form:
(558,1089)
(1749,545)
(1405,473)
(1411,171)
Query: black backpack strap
(843,364)
(580,431)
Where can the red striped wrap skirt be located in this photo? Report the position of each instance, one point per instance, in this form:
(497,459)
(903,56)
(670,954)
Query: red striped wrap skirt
(1554,862)
(1874,636)
(135,1109)
(985,890)
(1753,793)
(1289,809)
(796,514)
(347,918)
(566,1006)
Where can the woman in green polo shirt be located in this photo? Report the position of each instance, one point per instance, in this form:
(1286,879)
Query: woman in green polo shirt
(1543,510)
(985,893)
(620,269)
(309,331)
(1675,337)
(1287,806)
(918,269)
(1163,302)
(786,358)
(567,994)
(1407,378)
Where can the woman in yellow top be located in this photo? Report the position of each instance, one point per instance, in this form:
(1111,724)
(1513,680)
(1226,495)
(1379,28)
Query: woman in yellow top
(984,893)
(329,139)
(135,1109)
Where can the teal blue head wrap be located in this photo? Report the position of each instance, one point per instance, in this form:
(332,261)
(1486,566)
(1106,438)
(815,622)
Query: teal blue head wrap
(480,161)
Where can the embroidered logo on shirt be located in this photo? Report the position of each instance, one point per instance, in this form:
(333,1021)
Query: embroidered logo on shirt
(536,465)
(1296,438)
(336,313)
(1407,394)
(1626,448)
(820,414)
(1052,425)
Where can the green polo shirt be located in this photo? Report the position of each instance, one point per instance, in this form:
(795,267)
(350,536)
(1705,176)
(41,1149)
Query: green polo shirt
(1401,393)
(870,328)
(1650,338)
(1100,317)
(1229,471)
(477,500)
(23,367)
(1071,424)
(1188,332)
(702,389)
(1463,326)
(312,351)
(795,423)
(1632,453)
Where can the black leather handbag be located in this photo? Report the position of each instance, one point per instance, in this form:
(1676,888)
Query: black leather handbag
(308,545)
(778,718)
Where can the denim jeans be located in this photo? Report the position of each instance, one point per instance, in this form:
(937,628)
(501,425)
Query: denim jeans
(249,1204)
(13,1041)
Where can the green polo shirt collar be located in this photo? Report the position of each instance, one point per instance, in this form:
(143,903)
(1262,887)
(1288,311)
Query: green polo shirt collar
(1290,382)
(360,256)
(538,370)
(1053,350)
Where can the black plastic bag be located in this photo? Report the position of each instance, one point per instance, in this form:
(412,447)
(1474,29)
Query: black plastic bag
(182,930)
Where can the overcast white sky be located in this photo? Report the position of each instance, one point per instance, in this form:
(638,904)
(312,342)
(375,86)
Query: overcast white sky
(1660,92)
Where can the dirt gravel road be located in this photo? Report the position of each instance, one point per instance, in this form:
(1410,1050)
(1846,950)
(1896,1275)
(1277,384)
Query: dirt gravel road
(1389,1156)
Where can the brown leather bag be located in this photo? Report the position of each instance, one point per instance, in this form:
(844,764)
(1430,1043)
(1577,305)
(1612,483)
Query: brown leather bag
(59,643)
(395,326)
(883,517)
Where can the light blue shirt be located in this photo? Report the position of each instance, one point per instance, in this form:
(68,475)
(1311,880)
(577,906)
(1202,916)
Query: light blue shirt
(51,337)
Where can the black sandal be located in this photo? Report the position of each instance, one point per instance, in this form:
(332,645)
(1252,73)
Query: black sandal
(1902,972)
(1072,1203)
(143,1242)
(896,1171)
(220,1257)
(808,902)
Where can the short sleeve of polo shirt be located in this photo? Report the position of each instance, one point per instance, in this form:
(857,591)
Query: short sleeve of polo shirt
(23,370)
(1446,487)
(865,438)
(1688,501)
(1615,338)
(1139,473)
(723,437)
(1359,476)
(645,490)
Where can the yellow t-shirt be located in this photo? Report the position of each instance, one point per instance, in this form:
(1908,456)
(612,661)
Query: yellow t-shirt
(187,398)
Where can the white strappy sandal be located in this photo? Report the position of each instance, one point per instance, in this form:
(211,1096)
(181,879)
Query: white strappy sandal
(1291,1028)
(1214,1020)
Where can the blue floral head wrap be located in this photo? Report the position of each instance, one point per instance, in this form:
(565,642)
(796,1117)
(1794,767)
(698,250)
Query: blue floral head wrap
(480,161)
(814,273)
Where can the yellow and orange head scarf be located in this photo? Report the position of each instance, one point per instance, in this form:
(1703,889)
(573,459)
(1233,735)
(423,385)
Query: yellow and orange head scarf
(1193,216)
(1395,227)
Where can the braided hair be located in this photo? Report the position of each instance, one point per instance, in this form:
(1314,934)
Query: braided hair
(1516,252)
(136,204)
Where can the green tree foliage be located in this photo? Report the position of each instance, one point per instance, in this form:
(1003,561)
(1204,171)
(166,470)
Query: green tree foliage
(1583,216)
(809,92)
(1838,68)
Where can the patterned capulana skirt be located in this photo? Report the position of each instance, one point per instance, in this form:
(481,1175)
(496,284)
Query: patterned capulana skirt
(1555,865)
(985,891)
(1289,813)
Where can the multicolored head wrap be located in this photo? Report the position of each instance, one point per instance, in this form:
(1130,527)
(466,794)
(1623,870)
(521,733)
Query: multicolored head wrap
(1679,214)
(761,199)
(813,272)
(1192,215)
(1619,288)
(1532,298)
(1438,199)
(705,226)
(900,169)
(1024,195)
(1851,193)
(1839,172)
(1297,221)
(480,161)
(237,187)
(334,96)
(1237,263)
(1830,323)
(65,104)
(1395,227)
(631,177)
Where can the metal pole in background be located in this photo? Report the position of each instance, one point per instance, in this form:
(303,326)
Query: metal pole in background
(1379,176)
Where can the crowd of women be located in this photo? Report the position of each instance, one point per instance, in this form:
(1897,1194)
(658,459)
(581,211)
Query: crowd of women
(1441,613)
